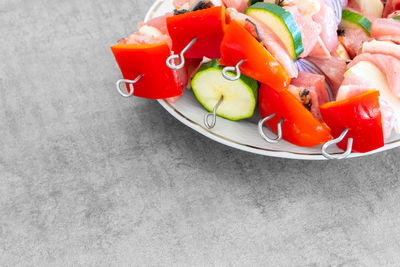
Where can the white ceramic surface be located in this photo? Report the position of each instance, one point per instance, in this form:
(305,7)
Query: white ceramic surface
(243,134)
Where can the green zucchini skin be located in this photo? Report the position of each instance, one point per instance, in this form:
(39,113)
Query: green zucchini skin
(356,19)
(286,19)
(249,83)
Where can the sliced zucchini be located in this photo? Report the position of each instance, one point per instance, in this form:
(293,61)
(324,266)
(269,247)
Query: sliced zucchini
(397,17)
(282,23)
(239,97)
(354,20)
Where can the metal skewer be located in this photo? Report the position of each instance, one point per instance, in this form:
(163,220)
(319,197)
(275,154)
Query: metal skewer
(233,69)
(336,141)
(264,136)
(171,59)
(130,83)
(256,29)
(212,115)
(237,67)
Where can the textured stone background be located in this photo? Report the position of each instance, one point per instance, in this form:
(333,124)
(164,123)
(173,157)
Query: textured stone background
(88,178)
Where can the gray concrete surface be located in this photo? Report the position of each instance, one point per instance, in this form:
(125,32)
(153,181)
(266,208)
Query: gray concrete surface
(88,178)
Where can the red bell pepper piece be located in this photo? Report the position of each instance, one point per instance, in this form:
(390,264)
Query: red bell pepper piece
(238,44)
(300,127)
(158,81)
(361,115)
(207,25)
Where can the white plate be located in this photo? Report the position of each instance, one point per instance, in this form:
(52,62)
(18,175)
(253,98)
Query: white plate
(242,135)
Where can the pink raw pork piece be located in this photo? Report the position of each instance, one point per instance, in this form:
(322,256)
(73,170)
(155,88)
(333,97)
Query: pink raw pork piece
(310,30)
(353,39)
(326,17)
(159,22)
(315,85)
(147,35)
(333,68)
(386,30)
(320,50)
(382,47)
(239,5)
(178,4)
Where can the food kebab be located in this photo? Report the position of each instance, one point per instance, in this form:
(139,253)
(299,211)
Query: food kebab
(322,71)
